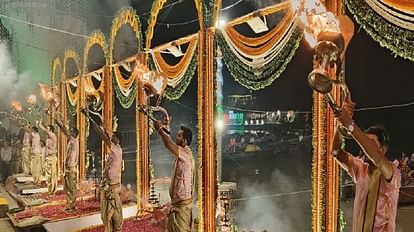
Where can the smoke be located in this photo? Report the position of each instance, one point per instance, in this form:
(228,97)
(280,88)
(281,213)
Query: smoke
(273,204)
(14,86)
(102,12)
(260,213)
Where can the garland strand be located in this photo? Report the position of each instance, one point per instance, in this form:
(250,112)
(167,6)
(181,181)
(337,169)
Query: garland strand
(72,109)
(174,93)
(125,101)
(392,37)
(256,78)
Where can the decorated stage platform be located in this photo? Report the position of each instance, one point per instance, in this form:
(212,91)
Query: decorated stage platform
(93,223)
(33,207)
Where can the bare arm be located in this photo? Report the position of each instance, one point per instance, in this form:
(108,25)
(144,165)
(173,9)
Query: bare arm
(62,128)
(343,157)
(101,132)
(42,126)
(373,152)
(369,146)
(166,139)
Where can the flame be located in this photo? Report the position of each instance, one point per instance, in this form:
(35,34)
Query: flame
(315,19)
(46,92)
(16,105)
(32,99)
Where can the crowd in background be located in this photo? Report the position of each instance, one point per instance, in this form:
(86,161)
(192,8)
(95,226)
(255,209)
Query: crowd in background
(406,166)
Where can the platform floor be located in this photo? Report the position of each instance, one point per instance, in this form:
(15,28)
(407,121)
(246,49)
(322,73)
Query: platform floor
(76,224)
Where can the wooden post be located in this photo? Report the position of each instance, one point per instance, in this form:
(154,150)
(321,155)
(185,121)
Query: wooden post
(142,156)
(81,124)
(206,130)
(107,113)
(325,170)
(62,138)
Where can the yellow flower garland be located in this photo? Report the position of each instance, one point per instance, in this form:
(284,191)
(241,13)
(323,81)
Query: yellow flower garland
(55,65)
(96,38)
(260,45)
(156,7)
(174,71)
(125,16)
(71,54)
(124,84)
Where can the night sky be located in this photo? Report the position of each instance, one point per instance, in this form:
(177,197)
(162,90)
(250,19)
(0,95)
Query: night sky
(374,75)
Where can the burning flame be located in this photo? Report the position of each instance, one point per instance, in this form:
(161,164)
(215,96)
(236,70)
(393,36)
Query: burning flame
(16,105)
(315,18)
(31,99)
(46,92)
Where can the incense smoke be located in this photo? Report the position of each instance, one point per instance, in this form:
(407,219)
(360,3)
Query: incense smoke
(14,85)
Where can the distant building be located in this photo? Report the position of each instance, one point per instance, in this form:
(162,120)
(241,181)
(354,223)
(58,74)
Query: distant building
(242,101)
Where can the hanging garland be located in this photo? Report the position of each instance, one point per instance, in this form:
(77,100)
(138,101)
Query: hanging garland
(256,78)
(96,38)
(319,163)
(55,64)
(262,46)
(125,16)
(174,72)
(157,5)
(394,38)
(208,9)
(179,75)
(72,109)
(174,93)
(126,100)
(341,216)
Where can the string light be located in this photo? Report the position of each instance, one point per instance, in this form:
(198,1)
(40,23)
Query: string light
(141,16)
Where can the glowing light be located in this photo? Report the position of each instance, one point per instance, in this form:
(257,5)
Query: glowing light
(16,105)
(315,19)
(32,99)
(219,124)
(221,23)
(46,92)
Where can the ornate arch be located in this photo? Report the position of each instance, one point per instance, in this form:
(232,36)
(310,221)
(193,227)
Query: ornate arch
(125,16)
(73,96)
(125,89)
(95,38)
(56,63)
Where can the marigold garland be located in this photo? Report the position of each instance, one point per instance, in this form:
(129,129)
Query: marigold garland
(95,38)
(125,16)
(263,44)
(55,65)
(152,21)
(71,54)
(392,37)
(174,93)
(260,77)
(174,71)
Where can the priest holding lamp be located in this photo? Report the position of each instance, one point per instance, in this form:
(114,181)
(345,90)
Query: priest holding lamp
(377,179)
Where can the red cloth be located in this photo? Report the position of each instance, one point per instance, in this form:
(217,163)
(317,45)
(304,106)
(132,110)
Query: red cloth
(54,212)
(146,224)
